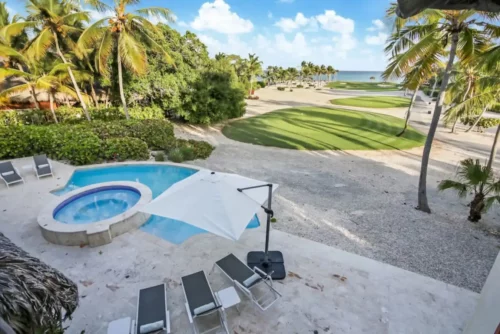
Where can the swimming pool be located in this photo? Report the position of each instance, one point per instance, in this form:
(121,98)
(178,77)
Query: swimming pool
(158,178)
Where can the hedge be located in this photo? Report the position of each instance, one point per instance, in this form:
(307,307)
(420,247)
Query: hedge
(88,142)
(201,149)
(281,88)
(125,148)
(484,123)
(76,115)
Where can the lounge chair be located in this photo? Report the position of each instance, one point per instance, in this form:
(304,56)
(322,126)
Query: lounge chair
(249,281)
(152,313)
(9,174)
(42,166)
(202,307)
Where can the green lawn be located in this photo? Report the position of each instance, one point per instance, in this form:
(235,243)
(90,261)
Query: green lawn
(312,128)
(373,101)
(371,86)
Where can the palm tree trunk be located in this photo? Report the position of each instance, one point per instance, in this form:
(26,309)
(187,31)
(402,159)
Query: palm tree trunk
(73,80)
(476,208)
(423,204)
(434,86)
(66,99)
(94,95)
(33,96)
(477,120)
(106,99)
(251,85)
(408,112)
(494,149)
(120,83)
(51,101)
(454,125)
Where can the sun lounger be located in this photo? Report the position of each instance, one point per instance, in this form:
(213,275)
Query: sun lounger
(42,166)
(152,313)
(249,281)
(203,309)
(9,174)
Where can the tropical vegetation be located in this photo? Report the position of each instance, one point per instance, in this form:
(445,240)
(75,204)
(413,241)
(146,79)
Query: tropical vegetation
(478,180)
(424,40)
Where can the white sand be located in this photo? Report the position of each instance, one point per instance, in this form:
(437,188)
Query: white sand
(363,201)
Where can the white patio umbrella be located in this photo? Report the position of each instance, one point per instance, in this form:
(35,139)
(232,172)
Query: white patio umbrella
(211,201)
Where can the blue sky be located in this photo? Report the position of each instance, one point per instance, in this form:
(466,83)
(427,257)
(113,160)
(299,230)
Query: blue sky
(348,35)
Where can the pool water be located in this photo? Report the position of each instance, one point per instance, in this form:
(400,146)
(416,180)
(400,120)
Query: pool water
(158,178)
(96,206)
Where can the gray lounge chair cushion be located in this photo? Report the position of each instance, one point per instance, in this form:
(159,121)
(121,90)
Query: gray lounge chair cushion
(234,268)
(197,290)
(152,306)
(149,328)
(204,308)
(251,280)
(8,173)
(44,170)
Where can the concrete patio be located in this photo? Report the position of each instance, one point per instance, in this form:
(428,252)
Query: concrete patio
(327,290)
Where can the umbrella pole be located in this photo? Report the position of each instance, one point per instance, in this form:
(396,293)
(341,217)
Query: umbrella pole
(270,262)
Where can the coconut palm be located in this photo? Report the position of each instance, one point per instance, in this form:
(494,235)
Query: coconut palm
(37,80)
(330,70)
(493,152)
(130,34)
(35,298)
(475,178)
(292,74)
(56,23)
(254,67)
(458,32)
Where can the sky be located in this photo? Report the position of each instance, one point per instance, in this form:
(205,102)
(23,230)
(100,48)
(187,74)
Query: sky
(346,34)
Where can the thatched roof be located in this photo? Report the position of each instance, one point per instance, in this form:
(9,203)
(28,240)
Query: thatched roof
(33,295)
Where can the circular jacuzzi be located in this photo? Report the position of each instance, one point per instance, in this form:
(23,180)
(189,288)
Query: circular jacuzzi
(95,214)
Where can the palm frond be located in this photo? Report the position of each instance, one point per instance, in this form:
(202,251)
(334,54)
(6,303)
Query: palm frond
(8,52)
(472,43)
(491,58)
(37,47)
(61,68)
(99,5)
(103,51)
(12,72)
(473,172)
(132,53)
(159,12)
(92,34)
(461,188)
(489,201)
(15,90)
(494,188)
(15,29)
(72,18)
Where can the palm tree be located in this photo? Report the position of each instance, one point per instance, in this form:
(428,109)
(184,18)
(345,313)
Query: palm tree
(475,178)
(292,74)
(493,153)
(458,32)
(254,67)
(37,79)
(56,24)
(130,34)
(330,70)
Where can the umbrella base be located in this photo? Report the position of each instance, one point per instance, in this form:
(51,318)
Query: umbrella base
(275,265)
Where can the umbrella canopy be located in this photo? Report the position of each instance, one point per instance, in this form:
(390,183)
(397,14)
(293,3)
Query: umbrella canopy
(211,201)
(407,8)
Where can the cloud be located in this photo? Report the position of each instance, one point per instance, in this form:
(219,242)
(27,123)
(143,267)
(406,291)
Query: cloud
(217,16)
(297,46)
(96,15)
(378,39)
(155,19)
(330,21)
(289,25)
(11,11)
(377,25)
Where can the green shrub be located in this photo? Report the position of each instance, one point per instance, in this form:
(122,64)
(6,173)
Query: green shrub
(157,133)
(261,84)
(252,97)
(105,130)
(299,86)
(125,148)
(484,123)
(80,147)
(281,88)
(187,153)
(291,90)
(151,112)
(176,155)
(15,142)
(201,149)
(160,156)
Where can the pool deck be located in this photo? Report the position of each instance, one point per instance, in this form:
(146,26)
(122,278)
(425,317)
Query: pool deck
(373,298)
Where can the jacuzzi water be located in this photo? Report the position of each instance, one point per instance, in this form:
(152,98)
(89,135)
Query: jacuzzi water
(158,178)
(96,206)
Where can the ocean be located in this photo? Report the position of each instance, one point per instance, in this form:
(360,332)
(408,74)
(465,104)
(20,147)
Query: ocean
(363,76)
